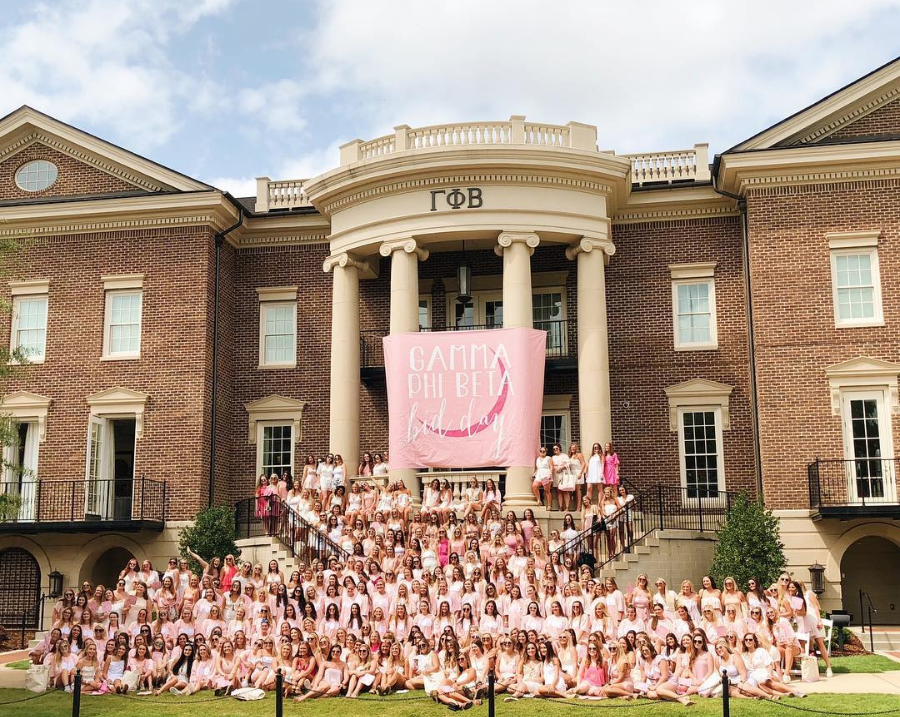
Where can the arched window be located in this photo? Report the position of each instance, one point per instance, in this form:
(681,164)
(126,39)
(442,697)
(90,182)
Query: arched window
(20,588)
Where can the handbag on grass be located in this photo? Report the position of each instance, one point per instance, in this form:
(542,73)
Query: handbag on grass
(36,678)
(809,668)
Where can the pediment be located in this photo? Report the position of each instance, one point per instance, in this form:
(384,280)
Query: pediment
(833,113)
(863,367)
(275,408)
(26,128)
(698,388)
(275,403)
(23,399)
(116,397)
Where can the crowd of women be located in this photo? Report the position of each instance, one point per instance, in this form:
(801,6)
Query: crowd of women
(424,599)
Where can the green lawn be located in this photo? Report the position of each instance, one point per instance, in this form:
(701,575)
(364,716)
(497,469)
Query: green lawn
(19,665)
(59,704)
(861,663)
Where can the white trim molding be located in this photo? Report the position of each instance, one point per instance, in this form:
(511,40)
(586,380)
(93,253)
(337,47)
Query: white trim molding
(277,293)
(700,270)
(696,393)
(863,372)
(118,401)
(29,286)
(24,405)
(275,408)
(853,240)
(115,282)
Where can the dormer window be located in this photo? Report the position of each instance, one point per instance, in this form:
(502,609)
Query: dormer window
(36,176)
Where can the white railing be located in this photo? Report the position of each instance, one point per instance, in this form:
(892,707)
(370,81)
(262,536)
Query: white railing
(549,135)
(458,135)
(663,167)
(281,194)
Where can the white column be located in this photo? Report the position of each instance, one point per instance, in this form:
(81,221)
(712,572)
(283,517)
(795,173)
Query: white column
(516,249)
(344,400)
(405,256)
(593,342)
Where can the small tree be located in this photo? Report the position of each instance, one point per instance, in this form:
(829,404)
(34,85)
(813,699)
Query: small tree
(749,545)
(212,534)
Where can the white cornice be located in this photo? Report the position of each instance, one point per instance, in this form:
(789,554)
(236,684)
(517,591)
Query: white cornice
(674,203)
(208,208)
(855,114)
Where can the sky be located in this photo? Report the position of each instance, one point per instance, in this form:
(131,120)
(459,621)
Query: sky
(229,90)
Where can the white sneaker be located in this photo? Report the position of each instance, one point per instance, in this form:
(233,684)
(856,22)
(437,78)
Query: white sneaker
(787,678)
(829,673)
(175,691)
(68,688)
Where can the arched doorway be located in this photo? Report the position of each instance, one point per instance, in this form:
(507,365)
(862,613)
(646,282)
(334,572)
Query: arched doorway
(105,570)
(872,564)
(20,588)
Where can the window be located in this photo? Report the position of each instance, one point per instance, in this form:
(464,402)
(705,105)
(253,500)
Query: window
(36,176)
(278,327)
(123,324)
(548,314)
(555,429)
(29,318)
(122,320)
(694,306)
(855,279)
(701,452)
(699,413)
(424,313)
(276,449)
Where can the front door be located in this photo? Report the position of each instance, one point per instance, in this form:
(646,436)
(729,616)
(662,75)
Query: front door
(20,477)
(867,448)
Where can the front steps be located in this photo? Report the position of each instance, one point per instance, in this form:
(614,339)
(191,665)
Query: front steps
(673,555)
(885,640)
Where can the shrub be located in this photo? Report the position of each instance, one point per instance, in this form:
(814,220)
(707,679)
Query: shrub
(749,545)
(212,534)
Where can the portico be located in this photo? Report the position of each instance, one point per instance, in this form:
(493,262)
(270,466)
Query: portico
(510,187)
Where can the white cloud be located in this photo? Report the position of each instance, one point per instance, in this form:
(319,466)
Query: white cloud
(648,74)
(275,105)
(107,62)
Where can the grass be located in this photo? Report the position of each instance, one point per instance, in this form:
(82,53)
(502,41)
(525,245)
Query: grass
(58,704)
(861,663)
(19,664)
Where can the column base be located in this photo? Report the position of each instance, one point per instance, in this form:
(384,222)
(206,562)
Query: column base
(518,488)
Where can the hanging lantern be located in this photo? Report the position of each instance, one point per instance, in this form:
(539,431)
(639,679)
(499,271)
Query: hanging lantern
(817,577)
(464,279)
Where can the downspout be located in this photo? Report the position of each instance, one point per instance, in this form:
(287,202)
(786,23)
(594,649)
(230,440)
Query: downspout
(751,336)
(220,240)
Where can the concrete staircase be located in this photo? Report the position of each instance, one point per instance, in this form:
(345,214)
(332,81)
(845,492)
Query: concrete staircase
(885,640)
(263,548)
(673,555)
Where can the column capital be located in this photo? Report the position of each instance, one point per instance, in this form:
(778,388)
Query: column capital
(345,259)
(586,244)
(410,246)
(507,239)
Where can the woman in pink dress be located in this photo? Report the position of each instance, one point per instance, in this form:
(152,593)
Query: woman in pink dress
(611,466)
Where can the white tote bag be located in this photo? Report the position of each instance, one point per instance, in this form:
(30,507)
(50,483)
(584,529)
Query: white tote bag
(248,694)
(37,677)
(131,679)
(809,668)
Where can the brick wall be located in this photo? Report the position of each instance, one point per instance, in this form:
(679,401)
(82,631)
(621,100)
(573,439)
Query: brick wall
(643,361)
(796,339)
(299,266)
(883,122)
(172,367)
(75,177)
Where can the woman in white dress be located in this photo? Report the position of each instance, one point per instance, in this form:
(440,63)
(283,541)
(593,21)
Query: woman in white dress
(310,478)
(543,477)
(594,471)
(563,480)
(578,466)
(325,471)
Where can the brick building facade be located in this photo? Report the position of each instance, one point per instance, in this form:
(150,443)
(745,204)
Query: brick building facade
(757,298)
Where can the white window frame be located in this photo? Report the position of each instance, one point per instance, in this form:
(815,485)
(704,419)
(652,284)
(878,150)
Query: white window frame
(428,317)
(685,275)
(720,447)
(566,437)
(121,285)
(31,290)
(260,430)
(850,244)
(275,297)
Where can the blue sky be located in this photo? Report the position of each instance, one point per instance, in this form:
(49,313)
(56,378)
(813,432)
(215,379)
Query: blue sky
(227,90)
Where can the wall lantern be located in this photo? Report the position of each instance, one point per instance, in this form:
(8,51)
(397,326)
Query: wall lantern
(464,279)
(56,584)
(817,577)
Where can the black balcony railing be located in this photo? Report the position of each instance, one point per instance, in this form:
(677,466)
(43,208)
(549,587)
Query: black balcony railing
(561,342)
(78,505)
(271,516)
(864,485)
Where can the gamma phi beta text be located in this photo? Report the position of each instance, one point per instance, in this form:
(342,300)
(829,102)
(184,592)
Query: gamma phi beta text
(470,198)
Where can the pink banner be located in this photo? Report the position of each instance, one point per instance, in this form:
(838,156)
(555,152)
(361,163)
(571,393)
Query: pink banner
(464,399)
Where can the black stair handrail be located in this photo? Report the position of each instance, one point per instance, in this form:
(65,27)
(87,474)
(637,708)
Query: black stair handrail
(279,520)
